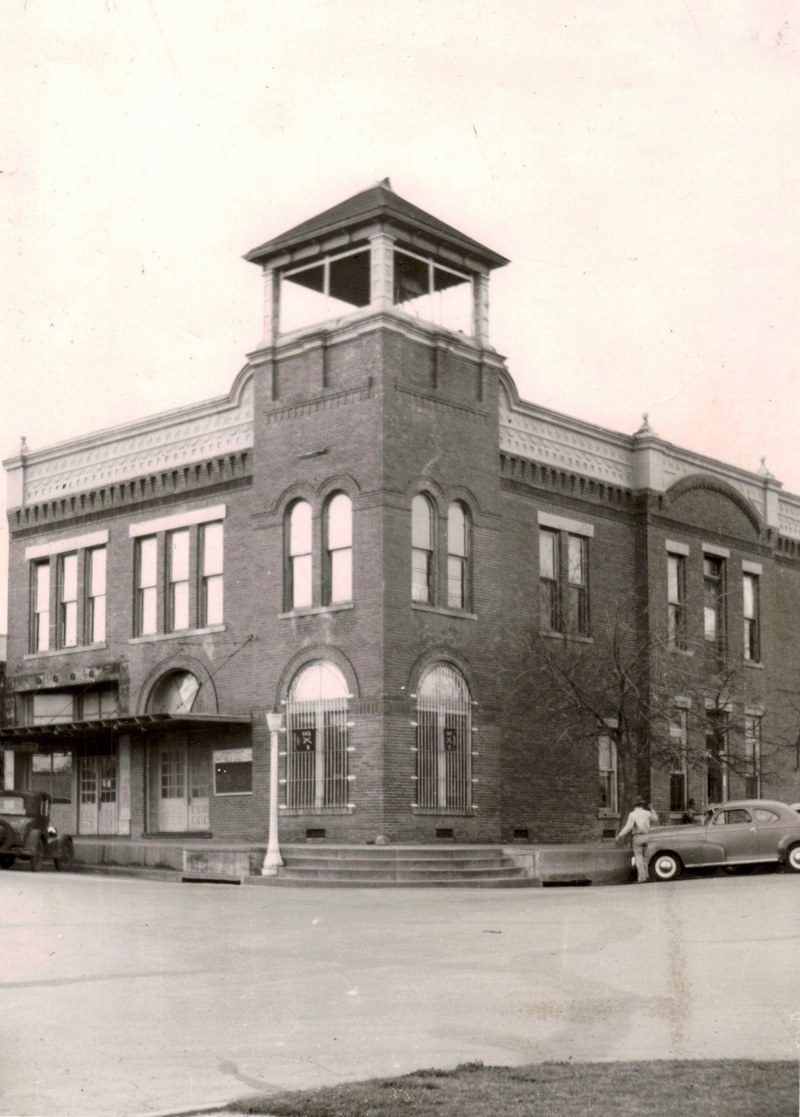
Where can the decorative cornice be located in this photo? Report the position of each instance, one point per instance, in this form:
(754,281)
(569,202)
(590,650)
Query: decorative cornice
(166,442)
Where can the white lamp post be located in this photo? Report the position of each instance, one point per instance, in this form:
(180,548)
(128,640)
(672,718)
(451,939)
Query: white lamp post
(273,860)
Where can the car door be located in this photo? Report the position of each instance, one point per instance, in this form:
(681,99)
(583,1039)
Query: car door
(735,831)
(771,828)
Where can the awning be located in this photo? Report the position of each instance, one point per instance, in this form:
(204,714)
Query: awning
(66,732)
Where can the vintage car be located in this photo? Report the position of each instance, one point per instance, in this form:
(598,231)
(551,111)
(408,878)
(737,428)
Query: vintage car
(744,832)
(26,833)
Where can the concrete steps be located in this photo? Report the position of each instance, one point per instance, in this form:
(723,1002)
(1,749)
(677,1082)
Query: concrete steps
(412,866)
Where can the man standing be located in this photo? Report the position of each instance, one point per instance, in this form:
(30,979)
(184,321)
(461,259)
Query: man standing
(641,818)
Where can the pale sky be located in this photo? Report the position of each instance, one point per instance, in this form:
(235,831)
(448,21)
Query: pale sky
(637,162)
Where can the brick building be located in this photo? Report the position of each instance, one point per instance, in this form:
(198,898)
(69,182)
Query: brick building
(372,534)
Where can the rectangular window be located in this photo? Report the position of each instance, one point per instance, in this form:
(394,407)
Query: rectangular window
(549,581)
(40,607)
(679,769)
(211,574)
(713,602)
(95,595)
(177,581)
(146,585)
(752,756)
(609,784)
(676,600)
(68,600)
(750,608)
(578,582)
(100,703)
(233,771)
(52,772)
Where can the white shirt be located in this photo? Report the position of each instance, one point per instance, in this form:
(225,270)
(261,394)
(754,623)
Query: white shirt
(639,820)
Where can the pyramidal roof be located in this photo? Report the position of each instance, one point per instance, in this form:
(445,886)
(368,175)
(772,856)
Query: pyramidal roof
(378,203)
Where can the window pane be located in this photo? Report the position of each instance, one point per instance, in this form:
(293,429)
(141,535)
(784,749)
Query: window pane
(301,581)
(300,529)
(456,582)
(179,556)
(69,577)
(421,576)
(748,588)
(548,554)
(213,613)
(456,531)
(180,605)
(212,549)
(577,560)
(97,572)
(148,612)
(147,562)
(340,522)
(341,575)
(421,526)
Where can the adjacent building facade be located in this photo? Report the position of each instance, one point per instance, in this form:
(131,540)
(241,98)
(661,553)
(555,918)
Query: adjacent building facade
(372,534)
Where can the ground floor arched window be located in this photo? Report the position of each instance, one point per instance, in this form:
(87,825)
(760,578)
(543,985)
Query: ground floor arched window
(444,746)
(316,746)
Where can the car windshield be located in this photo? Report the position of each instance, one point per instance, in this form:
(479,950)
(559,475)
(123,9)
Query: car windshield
(12,804)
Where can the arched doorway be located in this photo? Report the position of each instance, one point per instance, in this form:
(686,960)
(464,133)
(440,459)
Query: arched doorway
(316,753)
(444,746)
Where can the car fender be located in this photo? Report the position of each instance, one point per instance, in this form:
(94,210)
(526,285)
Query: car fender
(692,848)
(786,841)
(32,839)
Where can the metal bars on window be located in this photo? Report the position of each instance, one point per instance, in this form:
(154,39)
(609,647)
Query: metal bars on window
(444,745)
(317,775)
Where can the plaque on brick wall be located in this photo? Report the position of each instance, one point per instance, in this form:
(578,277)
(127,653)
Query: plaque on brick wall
(304,740)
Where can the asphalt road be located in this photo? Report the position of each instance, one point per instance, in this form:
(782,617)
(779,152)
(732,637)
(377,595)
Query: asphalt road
(125,996)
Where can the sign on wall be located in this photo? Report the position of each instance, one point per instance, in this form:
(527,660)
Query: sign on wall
(304,740)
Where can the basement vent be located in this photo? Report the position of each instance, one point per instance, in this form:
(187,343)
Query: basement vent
(315,833)
(445,833)
(211,880)
(575,883)
(521,835)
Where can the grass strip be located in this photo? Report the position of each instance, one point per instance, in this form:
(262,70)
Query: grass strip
(735,1087)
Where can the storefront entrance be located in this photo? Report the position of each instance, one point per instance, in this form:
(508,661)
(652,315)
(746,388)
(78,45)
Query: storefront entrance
(98,810)
(180,778)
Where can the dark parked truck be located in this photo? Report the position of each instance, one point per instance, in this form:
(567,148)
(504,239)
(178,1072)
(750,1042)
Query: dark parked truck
(27,834)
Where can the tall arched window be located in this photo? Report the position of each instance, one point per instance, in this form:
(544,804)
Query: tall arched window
(298,556)
(444,746)
(338,577)
(316,748)
(422,566)
(457,556)
(175,693)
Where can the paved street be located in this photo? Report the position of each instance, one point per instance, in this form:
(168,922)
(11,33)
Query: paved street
(124,996)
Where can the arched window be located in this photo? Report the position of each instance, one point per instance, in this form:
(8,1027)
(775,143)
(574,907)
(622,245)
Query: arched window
(298,556)
(338,577)
(422,566)
(316,747)
(457,556)
(175,693)
(444,746)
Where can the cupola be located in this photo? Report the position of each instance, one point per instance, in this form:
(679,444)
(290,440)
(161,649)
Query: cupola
(375,253)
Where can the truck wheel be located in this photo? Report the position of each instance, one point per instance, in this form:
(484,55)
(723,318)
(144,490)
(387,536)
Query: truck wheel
(6,860)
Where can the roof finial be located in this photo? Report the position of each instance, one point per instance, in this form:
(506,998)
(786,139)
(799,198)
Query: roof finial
(23,446)
(763,471)
(387,183)
(645,428)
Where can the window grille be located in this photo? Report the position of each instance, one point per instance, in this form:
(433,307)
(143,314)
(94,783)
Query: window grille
(444,747)
(316,748)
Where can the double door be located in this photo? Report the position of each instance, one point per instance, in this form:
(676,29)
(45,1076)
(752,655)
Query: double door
(181,777)
(98,807)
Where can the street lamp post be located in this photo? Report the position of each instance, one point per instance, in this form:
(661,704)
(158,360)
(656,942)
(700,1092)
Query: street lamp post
(273,860)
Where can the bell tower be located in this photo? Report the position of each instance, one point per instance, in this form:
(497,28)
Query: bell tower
(375,386)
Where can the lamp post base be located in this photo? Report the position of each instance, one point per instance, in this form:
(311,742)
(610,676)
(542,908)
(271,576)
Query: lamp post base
(272,862)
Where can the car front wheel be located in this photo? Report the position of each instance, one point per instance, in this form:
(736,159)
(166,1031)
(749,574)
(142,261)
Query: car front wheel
(793,858)
(6,860)
(666,866)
